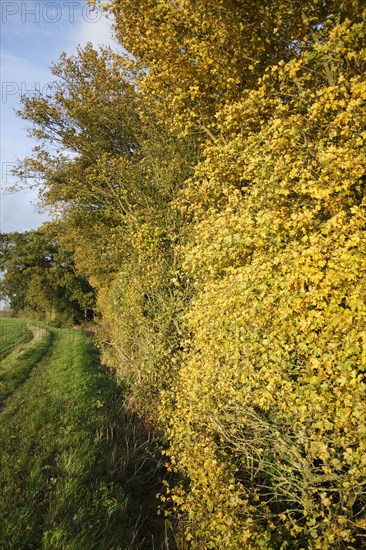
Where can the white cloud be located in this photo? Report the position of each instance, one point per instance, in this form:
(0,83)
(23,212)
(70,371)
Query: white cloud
(99,32)
(18,212)
(19,68)
(27,50)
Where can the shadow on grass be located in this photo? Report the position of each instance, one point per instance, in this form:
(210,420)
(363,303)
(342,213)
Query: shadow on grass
(22,365)
(127,461)
(77,470)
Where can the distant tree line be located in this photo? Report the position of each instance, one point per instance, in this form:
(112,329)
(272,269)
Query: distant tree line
(40,279)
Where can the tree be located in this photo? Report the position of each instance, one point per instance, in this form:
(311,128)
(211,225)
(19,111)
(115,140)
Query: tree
(112,170)
(40,278)
(193,57)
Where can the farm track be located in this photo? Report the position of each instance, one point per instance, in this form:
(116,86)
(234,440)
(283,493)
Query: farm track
(76,472)
(13,336)
(18,365)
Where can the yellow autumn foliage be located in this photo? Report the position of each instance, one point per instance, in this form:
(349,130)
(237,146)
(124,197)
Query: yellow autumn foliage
(267,425)
(142,303)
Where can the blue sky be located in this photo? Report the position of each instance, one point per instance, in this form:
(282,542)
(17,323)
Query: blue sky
(33,34)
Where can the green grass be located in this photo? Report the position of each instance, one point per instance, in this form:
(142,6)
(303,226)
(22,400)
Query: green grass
(13,332)
(25,355)
(76,472)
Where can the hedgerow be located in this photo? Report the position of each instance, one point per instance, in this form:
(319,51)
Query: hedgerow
(268,425)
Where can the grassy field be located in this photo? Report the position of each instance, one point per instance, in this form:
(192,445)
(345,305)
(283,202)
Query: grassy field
(13,332)
(24,345)
(76,472)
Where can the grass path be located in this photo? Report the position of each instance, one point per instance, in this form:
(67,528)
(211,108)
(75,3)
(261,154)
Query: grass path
(13,333)
(75,472)
(23,353)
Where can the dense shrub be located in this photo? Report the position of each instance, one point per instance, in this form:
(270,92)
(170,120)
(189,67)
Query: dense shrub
(268,426)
